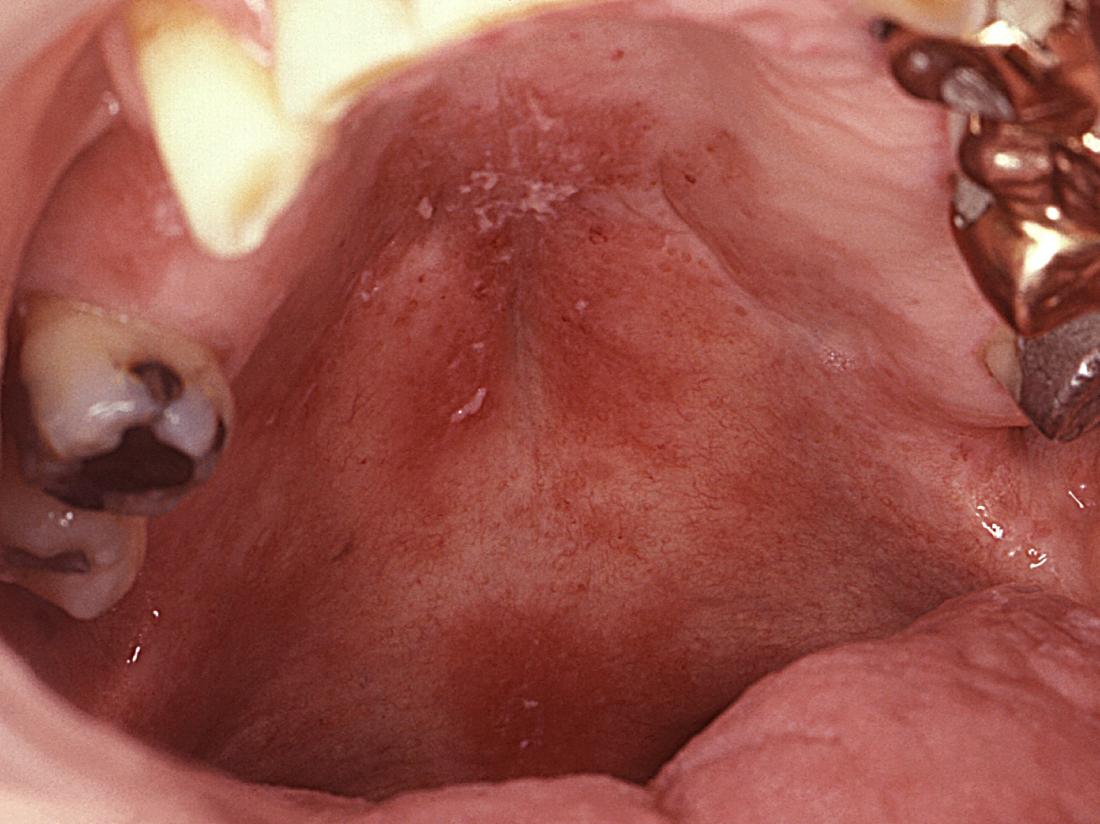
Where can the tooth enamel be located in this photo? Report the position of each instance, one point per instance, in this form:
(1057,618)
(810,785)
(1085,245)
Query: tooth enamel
(323,49)
(34,526)
(937,18)
(445,19)
(1035,17)
(239,140)
(966,18)
(1002,359)
(91,380)
(190,424)
(326,51)
(236,160)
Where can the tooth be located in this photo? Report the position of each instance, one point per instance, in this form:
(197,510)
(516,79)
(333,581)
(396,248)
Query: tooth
(1002,359)
(326,52)
(322,51)
(1033,17)
(238,140)
(235,159)
(111,412)
(966,18)
(83,562)
(445,19)
(938,18)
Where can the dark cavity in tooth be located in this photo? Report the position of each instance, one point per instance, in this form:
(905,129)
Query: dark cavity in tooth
(162,382)
(111,413)
(140,464)
(71,562)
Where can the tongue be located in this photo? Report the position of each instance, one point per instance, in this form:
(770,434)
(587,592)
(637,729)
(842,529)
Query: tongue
(588,384)
(984,710)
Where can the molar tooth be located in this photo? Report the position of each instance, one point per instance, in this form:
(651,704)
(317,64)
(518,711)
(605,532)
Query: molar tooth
(110,412)
(83,562)
(236,160)
(189,424)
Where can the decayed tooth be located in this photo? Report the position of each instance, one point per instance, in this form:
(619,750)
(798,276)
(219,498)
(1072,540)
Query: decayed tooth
(84,562)
(111,412)
(236,160)
(324,49)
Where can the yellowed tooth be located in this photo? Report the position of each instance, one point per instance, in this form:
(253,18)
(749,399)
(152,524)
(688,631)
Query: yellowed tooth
(1033,17)
(446,19)
(326,51)
(239,138)
(992,22)
(236,160)
(323,50)
(83,562)
(938,18)
(1002,359)
(86,382)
